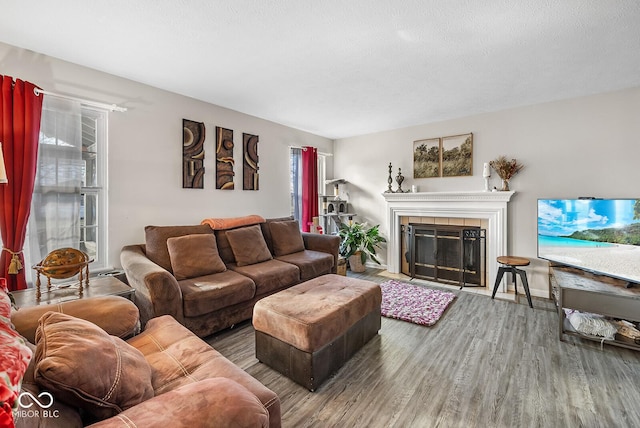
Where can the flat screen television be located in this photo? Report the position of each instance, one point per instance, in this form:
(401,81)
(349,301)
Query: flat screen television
(597,235)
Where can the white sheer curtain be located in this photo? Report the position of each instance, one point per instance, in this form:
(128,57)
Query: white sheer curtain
(55,209)
(296,183)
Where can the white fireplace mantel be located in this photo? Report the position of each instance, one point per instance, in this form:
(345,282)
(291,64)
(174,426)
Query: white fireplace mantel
(490,206)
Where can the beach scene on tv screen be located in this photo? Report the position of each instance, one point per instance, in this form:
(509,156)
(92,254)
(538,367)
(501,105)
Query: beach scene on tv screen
(600,235)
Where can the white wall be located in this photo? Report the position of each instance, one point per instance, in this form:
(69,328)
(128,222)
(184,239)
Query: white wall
(145,150)
(588,146)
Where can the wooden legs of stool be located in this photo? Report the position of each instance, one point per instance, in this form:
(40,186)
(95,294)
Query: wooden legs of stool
(514,270)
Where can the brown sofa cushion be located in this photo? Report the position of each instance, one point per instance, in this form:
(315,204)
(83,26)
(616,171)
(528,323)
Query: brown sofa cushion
(177,357)
(98,310)
(84,366)
(224,248)
(286,237)
(194,255)
(248,245)
(267,232)
(216,402)
(270,275)
(210,293)
(311,263)
(156,241)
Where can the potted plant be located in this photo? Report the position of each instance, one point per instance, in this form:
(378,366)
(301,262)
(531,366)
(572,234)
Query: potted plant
(359,242)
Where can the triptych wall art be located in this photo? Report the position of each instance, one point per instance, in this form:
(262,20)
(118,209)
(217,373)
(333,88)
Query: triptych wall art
(443,156)
(193,157)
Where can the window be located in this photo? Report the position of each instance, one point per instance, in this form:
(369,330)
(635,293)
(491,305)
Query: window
(69,199)
(295,175)
(93,196)
(322,174)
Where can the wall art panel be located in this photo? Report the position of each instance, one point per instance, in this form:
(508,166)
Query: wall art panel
(224,159)
(192,154)
(250,162)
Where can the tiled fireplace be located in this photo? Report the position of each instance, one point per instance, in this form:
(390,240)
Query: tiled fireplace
(487,208)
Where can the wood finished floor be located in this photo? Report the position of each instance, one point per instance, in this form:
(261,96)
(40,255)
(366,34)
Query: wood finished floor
(486,363)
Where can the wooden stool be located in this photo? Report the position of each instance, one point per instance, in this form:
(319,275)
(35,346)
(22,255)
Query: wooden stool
(510,264)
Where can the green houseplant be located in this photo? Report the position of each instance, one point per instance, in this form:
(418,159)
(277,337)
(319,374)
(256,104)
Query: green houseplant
(359,242)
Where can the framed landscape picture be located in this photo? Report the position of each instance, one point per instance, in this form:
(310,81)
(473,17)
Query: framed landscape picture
(457,155)
(443,157)
(426,158)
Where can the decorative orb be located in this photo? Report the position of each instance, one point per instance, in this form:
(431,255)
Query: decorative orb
(63,263)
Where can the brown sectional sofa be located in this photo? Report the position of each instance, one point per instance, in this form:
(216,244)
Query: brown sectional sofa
(211,284)
(164,376)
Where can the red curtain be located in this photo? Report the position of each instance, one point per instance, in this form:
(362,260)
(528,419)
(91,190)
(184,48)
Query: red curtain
(309,186)
(20,111)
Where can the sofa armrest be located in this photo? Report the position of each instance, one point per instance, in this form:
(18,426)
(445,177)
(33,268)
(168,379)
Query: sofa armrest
(216,402)
(157,290)
(324,243)
(114,314)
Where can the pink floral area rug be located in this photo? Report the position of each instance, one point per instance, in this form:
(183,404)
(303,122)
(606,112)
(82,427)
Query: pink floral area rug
(414,303)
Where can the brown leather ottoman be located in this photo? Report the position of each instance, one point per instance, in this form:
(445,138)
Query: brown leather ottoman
(308,331)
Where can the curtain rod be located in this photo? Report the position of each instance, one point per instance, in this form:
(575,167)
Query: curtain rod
(110,107)
(302,148)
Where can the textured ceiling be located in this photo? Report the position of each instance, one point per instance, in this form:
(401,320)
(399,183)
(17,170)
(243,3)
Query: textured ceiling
(340,68)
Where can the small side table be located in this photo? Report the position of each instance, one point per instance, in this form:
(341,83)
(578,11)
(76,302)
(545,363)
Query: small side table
(511,264)
(98,286)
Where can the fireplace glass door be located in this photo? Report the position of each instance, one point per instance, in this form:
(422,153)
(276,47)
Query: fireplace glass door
(450,254)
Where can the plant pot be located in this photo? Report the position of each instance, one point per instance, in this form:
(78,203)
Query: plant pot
(355,263)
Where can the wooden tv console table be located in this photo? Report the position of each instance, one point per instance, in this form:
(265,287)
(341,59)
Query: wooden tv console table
(586,292)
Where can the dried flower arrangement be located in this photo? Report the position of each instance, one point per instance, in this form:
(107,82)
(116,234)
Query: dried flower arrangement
(505,169)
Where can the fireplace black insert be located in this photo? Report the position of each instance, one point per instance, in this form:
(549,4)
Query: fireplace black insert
(448,254)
